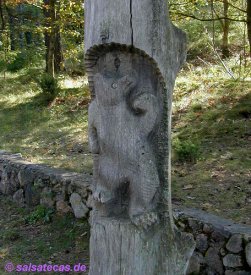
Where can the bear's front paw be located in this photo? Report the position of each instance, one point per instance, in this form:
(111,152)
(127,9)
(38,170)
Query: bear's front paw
(145,220)
(102,195)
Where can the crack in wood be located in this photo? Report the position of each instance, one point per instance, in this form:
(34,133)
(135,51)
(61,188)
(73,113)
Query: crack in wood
(131,24)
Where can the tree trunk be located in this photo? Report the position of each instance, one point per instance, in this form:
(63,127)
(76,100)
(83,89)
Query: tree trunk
(21,36)
(47,44)
(28,38)
(249,24)
(119,248)
(12,32)
(226,24)
(58,54)
(2,15)
(54,53)
(50,37)
(133,54)
(51,55)
(12,26)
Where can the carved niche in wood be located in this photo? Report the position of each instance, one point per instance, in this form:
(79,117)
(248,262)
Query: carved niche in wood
(124,124)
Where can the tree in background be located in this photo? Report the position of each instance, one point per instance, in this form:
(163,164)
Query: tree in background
(222,14)
(52,38)
(249,23)
(54,27)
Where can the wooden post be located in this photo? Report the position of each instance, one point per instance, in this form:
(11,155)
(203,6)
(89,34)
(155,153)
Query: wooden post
(133,54)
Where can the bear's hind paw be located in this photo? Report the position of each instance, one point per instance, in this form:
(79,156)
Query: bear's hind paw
(102,196)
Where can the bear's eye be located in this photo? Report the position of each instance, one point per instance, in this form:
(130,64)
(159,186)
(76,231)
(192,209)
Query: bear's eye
(114,85)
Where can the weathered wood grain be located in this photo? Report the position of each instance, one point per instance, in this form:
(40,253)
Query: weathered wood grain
(133,53)
(120,248)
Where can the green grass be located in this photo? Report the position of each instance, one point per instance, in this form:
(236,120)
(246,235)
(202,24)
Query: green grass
(215,110)
(64,240)
(42,133)
(211,120)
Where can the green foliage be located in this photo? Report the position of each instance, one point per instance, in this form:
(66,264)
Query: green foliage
(204,22)
(71,25)
(18,63)
(186,151)
(2,65)
(27,58)
(49,86)
(196,107)
(74,61)
(40,214)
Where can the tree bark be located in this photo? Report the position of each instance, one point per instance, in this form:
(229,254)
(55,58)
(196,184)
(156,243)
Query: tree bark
(20,18)
(226,24)
(58,54)
(12,29)
(54,53)
(2,15)
(249,24)
(119,248)
(50,16)
(133,54)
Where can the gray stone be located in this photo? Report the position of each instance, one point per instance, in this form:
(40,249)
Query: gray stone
(7,185)
(235,244)
(194,224)
(79,186)
(239,272)
(60,196)
(232,260)
(223,252)
(39,183)
(226,227)
(47,198)
(18,197)
(194,264)
(219,235)
(202,243)
(79,209)
(213,260)
(32,196)
(209,271)
(248,253)
(207,228)
(25,176)
(247,237)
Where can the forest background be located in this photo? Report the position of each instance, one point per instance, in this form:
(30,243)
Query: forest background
(44,96)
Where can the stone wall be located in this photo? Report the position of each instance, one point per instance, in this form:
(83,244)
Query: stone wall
(222,247)
(30,184)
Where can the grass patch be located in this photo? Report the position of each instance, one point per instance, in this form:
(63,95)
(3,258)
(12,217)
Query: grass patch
(45,134)
(62,240)
(215,110)
(40,213)
(211,122)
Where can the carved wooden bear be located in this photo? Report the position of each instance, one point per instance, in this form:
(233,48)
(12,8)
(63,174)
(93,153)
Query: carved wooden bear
(122,117)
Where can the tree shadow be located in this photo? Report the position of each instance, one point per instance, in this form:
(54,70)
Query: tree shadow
(223,116)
